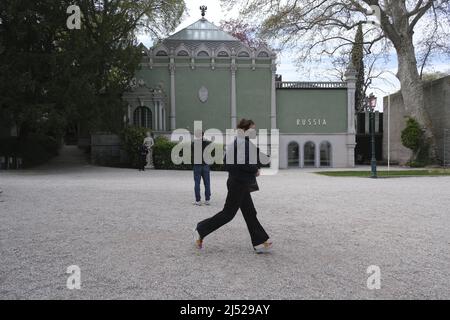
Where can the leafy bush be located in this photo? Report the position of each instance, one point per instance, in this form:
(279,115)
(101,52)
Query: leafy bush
(162,156)
(412,135)
(132,138)
(413,138)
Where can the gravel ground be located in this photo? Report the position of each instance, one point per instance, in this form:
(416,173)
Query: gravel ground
(131,235)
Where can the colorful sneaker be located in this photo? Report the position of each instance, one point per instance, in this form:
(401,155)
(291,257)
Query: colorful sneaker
(264,247)
(198,240)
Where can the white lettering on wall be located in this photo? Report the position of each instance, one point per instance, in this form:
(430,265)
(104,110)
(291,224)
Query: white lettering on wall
(311,122)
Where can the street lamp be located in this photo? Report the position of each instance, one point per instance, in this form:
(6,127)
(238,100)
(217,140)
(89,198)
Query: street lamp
(372,104)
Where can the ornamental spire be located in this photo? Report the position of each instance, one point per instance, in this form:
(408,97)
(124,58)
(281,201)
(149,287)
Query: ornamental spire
(203,10)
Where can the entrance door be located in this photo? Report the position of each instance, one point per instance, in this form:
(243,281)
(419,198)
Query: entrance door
(293,155)
(310,155)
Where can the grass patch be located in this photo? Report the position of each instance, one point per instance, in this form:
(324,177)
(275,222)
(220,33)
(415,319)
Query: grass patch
(389,174)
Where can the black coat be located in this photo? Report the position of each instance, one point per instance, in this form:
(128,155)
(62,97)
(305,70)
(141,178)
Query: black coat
(244,172)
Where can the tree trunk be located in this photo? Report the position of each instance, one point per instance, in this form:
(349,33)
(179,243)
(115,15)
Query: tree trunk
(413,92)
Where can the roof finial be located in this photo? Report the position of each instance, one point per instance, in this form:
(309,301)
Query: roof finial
(203,10)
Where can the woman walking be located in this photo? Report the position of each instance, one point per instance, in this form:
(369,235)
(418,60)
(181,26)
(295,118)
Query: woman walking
(242,173)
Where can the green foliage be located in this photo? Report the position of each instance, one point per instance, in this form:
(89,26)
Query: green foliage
(413,138)
(412,135)
(52,77)
(162,156)
(162,151)
(132,139)
(387,174)
(357,56)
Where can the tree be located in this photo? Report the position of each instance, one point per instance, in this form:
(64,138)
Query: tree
(51,76)
(357,57)
(324,27)
(243,31)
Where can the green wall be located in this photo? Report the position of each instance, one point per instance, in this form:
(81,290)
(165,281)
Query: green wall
(156,76)
(215,112)
(253,94)
(329,105)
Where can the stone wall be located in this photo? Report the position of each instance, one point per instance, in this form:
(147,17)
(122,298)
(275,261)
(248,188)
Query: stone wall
(437,104)
(106,150)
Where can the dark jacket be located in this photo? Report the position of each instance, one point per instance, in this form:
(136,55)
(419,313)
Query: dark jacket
(143,151)
(244,171)
(205,143)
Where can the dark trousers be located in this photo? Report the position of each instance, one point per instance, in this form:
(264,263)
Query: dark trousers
(238,197)
(142,162)
(201,171)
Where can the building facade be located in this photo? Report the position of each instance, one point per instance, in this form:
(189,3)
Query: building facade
(201,73)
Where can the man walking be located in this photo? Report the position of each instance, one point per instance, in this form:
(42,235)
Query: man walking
(201,168)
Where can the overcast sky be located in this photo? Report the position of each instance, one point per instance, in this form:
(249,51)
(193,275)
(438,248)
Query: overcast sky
(286,60)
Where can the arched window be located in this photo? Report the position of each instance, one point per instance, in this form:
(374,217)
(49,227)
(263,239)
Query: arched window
(161,53)
(203,54)
(309,151)
(325,154)
(293,155)
(263,54)
(223,54)
(182,53)
(243,54)
(142,117)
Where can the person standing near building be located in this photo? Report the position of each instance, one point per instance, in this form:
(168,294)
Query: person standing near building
(143,151)
(200,168)
(241,182)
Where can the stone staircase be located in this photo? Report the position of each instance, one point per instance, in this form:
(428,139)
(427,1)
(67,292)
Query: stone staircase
(69,156)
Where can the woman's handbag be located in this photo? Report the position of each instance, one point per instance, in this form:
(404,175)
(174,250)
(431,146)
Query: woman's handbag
(253,187)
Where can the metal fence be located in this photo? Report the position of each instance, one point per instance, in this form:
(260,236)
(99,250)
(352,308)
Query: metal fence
(310,85)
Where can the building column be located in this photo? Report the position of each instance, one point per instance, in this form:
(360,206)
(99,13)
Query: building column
(172,95)
(350,76)
(160,112)
(273,101)
(233,94)
(317,155)
(156,116)
(130,116)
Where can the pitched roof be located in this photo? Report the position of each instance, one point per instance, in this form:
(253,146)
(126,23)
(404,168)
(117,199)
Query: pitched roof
(202,30)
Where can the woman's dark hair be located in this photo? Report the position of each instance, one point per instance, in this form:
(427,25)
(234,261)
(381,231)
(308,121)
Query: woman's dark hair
(245,124)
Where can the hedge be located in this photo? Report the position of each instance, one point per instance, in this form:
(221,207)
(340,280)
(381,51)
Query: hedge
(34,150)
(162,156)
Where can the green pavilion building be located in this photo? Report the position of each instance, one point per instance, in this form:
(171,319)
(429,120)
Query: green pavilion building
(202,73)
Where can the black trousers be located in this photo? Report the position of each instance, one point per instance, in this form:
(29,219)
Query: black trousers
(142,162)
(238,197)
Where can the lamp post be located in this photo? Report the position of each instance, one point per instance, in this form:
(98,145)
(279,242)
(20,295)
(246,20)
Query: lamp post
(372,103)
